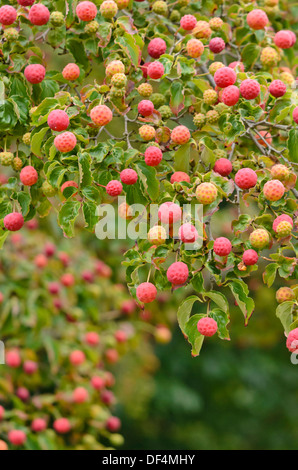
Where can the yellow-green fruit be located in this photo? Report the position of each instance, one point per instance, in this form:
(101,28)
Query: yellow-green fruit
(157,235)
(215,23)
(57,19)
(116,440)
(115,66)
(165,111)
(17,164)
(145,89)
(202,30)
(108,9)
(271,3)
(219,153)
(48,189)
(158,100)
(27,138)
(147,132)
(199,119)
(11,34)
(280,172)
(92,27)
(287,78)
(259,239)
(161,8)
(210,97)
(269,57)
(215,66)
(212,116)
(221,108)
(6,158)
(117,92)
(121,4)
(183,3)
(175,16)
(119,80)
(206,193)
(285,294)
(284,229)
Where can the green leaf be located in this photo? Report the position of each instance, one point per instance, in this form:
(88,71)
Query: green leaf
(177,97)
(85,169)
(147,175)
(37,140)
(128,43)
(193,336)
(67,216)
(245,303)
(182,158)
(250,55)
(184,311)
(284,313)
(219,299)
(269,274)
(222,319)
(293,145)
(74,46)
(89,211)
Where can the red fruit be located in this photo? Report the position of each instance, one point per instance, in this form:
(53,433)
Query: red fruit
(107,397)
(207,326)
(58,120)
(230,95)
(25,3)
(13,358)
(113,424)
(222,246)
(146,292)
(223,166)
(292,340)
(80,395)
(77,357)
(145,108)
(54,288)
(188,22)
(250,257)
(224,77)
(156,48)
(129,176)
(169,213)
(86,11)
(250,89)
(188,233)
(178,273)
(295,115)
(62,425)
(28,176)
(120,336)
(97,382)
(2,411)
(39,14)
(65,142)
(180,135)
(23,394)
(284,39)
(30,367)
(69,184)
(282,218)
(246,178)
(153,156)
(67,280)
(180,176)
(237,64)
(38,425)
(102,269)
(128,307)
(112,356)
(35,73)
(114,188)
(8,15)
(17,437)
(266,136)
(88,276)
(71,72)
(277,88)
(257,19)
(273,190)
(216,45)
(92,338)
(13,222)
(155,70)
(101,115)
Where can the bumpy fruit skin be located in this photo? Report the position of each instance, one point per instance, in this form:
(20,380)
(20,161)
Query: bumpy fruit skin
(287,78)
(266,138)
(157,235)
(178,273)
(207,326)
(216,45)
(158,100)
(237,65)
(277,88)
(129,176)
(38,425)
(146,292)
(210,96)
(273,190)
(250,89)
(259,239)
(27,138)
(257,19)
(121,4)
(114,188)
(156,48)
(165,112)
(160,8)
(8,15)
(62,425)
(86,11)
(199,119)
(292,340)
(206,193)
(80,395)
(284,229)
(71,72)
(153,156)
(169,213)
(119,80)
(29,176)
(223,166)
(202,30)
(224,77)
(6,158)
(246,178)
(145,90)
(35,73)
(180,176)
(285,294)
(25,3)
(215,66)
(280,172)
(284,39)
(147,132)
(39,14)
(281,218)
(115,66)
(188,233)
(48,189)
(17,437)
(108,9)
(77,357)
(145,108)
(222,246)
(212,116)
(230,95)
(69,184)
(188,22)
(195,48)
(65,142)
(13,222)
(180,135)
(295,115)
(58,120)
(92,27)
(269,57)
(215,23)
(11,34)
(155,70)
(101,115)
(250,257)
(57,19)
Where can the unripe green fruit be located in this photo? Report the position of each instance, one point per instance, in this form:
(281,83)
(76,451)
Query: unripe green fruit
(212,116)
(108,9)
(165,111)
(219,153)
(199,119)
(27,138)
(48,189)
(6,158)
(175,16)
(158,100)
(119,80)
(17,164)
(183,3)
(57,19)
(92,27)
(116,440)
(284,229)
(92,131)
(269,57)
(152,144)
(215,66)
(160,7)
(117,92)
(221,108)
(11,34)
(210,97)
(259,239)
(145,89)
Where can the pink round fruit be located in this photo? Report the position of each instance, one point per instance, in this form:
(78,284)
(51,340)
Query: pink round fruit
(86,11)
(180,135)
(284,39)
(39,14)
(77,357)
(28,176)
(69,184)
(237,65)
(222,246)
(30,367)
(273,190)
(282,218)
(120,336)
(92,338)
(97,382)
(216,45)
(113,424)
(101,115)
(206,193)
(25,3)
(13,222)
(155,70)
(224,77)
(114,188)
(295,115)
(2,412)
(8,15)
(292,340)
(188,22)
(146,292)
(153,156)
(145,108)
(62,425)
(80,395)
(65,142)
(17,437)
(35,73)
(180,176)
(13,358)
(246,178)
(23,394)
(178,273)
(169,213)
(195,48)
(207,326)
(129,176)
(223,166)
(250,257)
(156,48)
(277,88)
(230,95)
(250,89)
(58,120)
(38,425)
(71,72)
(67,280)
(188,233)
(257,19)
